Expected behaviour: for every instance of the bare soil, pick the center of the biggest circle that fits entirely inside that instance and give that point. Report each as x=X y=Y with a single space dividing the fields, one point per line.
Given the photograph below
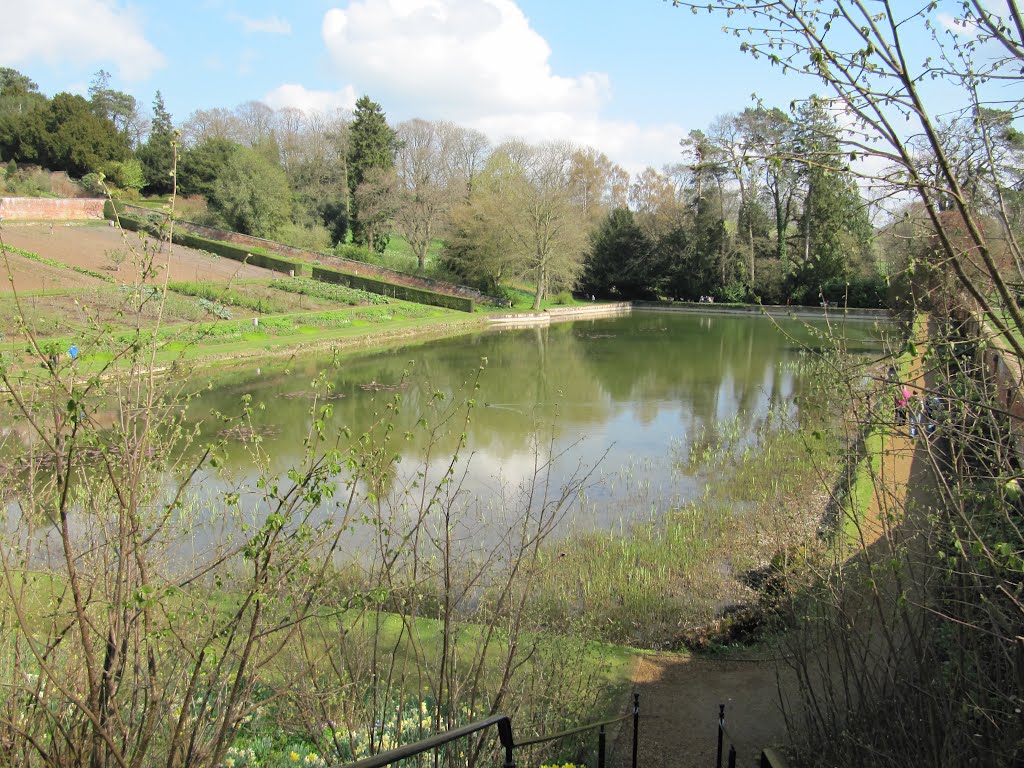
x=679 y=701
x=91 y=247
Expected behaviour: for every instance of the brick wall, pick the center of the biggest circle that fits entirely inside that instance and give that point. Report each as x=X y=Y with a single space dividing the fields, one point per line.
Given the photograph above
x=51 y=208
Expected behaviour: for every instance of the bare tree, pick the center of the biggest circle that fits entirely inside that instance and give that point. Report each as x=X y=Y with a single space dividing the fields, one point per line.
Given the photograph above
x=423 y=195
x=464 y=152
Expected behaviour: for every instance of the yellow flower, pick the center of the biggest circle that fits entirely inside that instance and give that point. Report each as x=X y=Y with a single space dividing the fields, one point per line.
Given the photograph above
x=294 y=756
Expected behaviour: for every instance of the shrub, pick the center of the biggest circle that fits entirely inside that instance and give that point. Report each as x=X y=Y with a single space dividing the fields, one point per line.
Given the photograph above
x=311 y=238
x=394 y=291
x=126 y=175
x=562 y=298
x=327 y=291
x=93 y=183
x=353 y=252
x=28 y=182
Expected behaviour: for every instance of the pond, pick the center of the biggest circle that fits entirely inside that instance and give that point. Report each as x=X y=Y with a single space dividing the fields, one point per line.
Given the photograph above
x=622 y=398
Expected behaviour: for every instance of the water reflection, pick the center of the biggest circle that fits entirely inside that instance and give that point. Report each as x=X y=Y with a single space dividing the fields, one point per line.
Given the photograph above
x=618 y=391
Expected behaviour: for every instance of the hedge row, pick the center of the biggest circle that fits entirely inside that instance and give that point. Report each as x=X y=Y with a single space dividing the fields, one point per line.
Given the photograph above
x=227 y=250
x=393 y=290
x=318 y=289
x=281 y=264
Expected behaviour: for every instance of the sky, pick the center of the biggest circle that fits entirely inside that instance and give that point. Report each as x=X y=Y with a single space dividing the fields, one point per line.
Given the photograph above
x=627 y=77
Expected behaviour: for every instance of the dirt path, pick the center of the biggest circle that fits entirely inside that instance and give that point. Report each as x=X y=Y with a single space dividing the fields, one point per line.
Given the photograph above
x=680 y=695
x=679 y=699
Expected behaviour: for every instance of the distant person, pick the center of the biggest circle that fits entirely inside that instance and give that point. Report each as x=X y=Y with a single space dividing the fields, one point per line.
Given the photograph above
x=903 y=395
x=913 y=415
x=73 y=354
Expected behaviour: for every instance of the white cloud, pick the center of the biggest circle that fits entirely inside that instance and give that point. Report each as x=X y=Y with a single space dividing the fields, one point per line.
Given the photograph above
x=480 y=63
x=297 y=96
x=458 y=52
x=273 y=25
x=959 y=26
x=82 y=32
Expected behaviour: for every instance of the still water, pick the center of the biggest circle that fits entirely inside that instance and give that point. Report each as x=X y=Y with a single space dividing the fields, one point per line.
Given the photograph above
x=622 y=398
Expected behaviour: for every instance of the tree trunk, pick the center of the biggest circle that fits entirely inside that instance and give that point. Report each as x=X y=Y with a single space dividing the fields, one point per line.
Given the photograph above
x=542 y=278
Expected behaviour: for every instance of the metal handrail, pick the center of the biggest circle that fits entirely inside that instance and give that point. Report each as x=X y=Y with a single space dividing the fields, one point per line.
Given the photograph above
x=571 y=731
x=504 y=736
x=424 y=745
x=722 y=732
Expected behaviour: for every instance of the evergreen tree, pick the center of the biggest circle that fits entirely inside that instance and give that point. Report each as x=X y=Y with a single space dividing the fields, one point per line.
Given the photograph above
x=372 y=144
x=76 y=140
x=622 y=261
x=835 y=232
x=22 y=118
x=116 y=106
x=693 y=253
x=200 y=166
x=157 y=154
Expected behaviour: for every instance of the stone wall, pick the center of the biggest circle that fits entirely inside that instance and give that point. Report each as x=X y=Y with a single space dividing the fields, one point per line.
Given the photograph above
x=1003 y=372
x=51 y=208
x=555 y=314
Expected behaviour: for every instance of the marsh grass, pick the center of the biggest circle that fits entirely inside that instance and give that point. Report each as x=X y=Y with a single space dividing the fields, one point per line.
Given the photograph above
x=651 y=579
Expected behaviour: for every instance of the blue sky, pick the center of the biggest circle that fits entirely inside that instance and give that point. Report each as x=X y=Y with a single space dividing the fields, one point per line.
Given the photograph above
x=629 y=77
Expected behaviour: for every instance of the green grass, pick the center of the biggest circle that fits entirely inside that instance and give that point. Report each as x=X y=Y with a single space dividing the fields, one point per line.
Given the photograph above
x=522 y=298
x=647 y=579
x=861 y=491
x=399 y=255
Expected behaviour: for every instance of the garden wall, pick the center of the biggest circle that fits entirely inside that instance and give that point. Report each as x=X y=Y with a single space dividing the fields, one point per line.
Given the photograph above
x=1004 y=374
x=51 y=208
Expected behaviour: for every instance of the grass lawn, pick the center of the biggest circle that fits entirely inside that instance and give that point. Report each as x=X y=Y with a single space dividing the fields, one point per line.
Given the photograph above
x=399 y=256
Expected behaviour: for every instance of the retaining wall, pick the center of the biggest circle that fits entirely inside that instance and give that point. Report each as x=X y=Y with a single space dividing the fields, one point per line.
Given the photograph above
x=1003 y=372
x=51 y=208
x=775 y=310
x=555 y=314
x=358 y=268
x=615 y=309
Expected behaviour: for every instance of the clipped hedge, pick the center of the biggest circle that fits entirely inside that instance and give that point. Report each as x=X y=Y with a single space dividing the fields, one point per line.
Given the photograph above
x=227 y=250
x=299 y=268
x=392 y=290
x=237 y=253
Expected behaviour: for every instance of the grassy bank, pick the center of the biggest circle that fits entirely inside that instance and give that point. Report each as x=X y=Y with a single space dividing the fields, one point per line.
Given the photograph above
x=656 y=581
x=864 y=471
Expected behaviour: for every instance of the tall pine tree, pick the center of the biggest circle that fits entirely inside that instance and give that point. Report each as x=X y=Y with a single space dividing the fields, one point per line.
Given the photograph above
x=157 y=154
x=833 y=227
x=372 y=144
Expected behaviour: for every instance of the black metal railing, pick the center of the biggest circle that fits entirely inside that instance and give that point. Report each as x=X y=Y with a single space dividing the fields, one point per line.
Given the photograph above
x=508 y=742
x=769 y=757
x=722 y=734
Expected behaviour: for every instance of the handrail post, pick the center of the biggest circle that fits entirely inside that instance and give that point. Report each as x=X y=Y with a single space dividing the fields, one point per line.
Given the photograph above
x=505 y=736
x=721 y=726
x=600 y=748
x=636 y=726
x=732 y=756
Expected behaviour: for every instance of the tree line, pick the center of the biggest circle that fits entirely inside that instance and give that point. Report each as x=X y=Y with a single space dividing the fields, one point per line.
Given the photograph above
x=762 y=205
